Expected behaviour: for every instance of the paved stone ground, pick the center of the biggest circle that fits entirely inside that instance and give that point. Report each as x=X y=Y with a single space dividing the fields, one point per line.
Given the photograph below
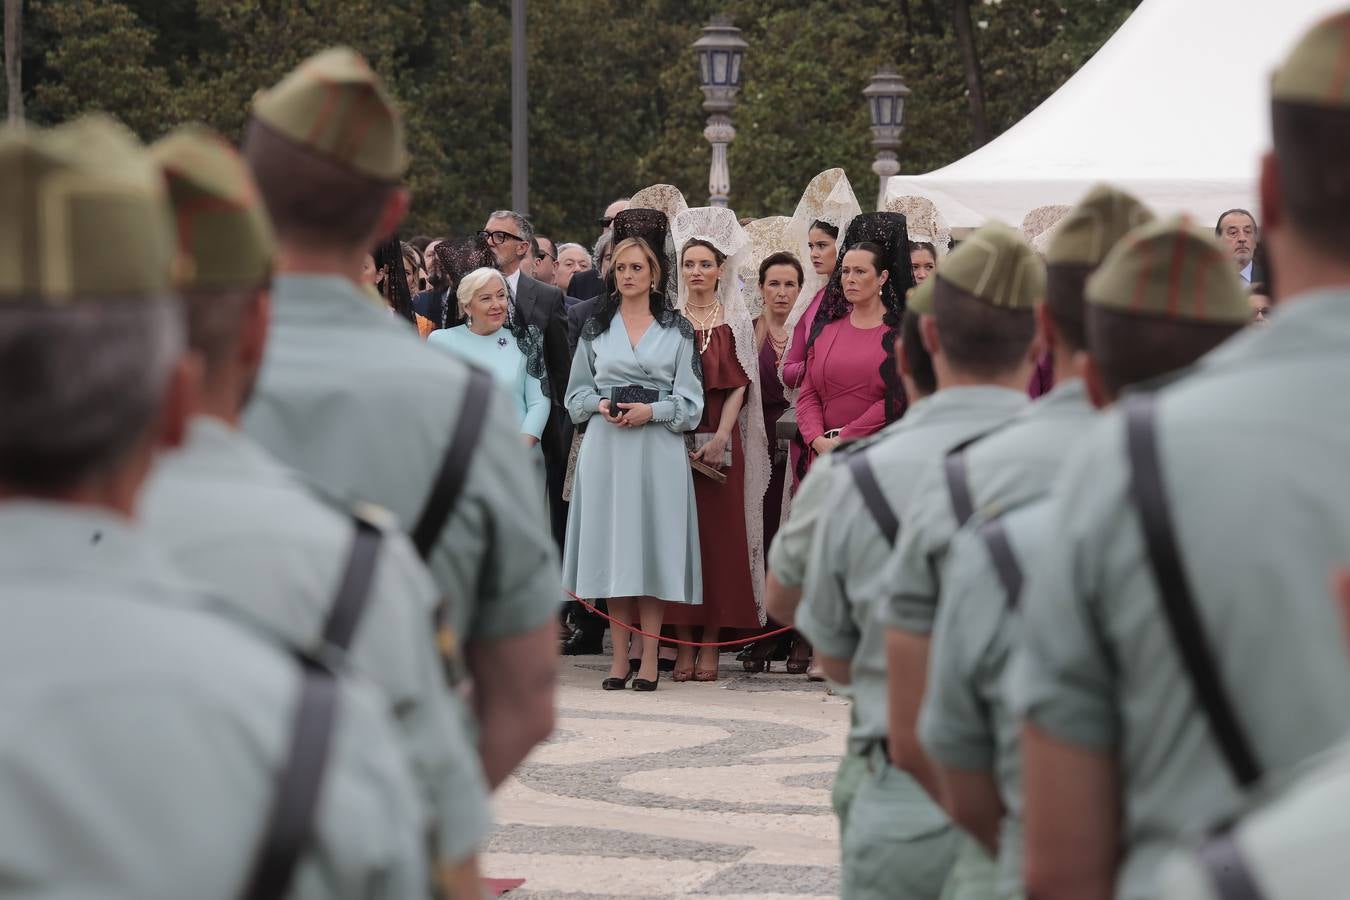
x=718 y=790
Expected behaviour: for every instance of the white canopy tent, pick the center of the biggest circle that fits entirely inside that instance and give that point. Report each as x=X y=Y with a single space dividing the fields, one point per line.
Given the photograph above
x=1174 y=108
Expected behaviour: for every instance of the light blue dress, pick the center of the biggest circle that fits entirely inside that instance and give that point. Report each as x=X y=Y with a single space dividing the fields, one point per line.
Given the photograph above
x=632 y=527
x=501 y=355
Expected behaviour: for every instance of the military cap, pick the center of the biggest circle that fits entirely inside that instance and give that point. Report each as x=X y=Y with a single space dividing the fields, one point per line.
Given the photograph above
x=1170 y=269
x=1317 y=70
x=919 y=300
x=1086 y=235
x=334 y=105
x=996 y=265
x=223 y=230
x=85 y=214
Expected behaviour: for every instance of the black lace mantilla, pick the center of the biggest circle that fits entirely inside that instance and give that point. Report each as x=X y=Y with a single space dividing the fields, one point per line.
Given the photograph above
x=598 y=324
x=531 y=344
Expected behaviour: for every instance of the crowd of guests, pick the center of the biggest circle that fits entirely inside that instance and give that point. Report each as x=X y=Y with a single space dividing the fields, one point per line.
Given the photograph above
x=285 y=499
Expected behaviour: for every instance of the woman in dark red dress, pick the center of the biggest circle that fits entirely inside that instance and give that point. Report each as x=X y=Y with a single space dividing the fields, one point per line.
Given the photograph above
x=730 y=440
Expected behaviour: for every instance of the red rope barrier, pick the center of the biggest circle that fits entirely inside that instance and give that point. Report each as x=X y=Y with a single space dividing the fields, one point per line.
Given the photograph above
x=630 y=628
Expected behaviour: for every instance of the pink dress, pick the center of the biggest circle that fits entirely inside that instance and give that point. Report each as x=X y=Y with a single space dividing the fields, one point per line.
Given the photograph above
x=794 y=367
x=843 y=388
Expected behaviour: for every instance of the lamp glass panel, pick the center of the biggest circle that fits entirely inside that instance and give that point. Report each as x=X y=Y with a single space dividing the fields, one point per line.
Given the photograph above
x=721 y=63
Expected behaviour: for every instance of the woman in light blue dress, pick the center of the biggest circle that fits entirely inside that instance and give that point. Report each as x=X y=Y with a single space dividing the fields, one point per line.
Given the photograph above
x=632 y=528
x=513 y=357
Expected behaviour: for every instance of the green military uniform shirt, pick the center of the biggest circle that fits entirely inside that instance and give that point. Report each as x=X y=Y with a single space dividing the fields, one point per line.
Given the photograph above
x=275 y=553
x=791 y=547
x=1004 y=470
x=845 y=574
x=350 y=396
x=1253 y=447
x=140 y=738
x=966 y=721
x=1292 y=847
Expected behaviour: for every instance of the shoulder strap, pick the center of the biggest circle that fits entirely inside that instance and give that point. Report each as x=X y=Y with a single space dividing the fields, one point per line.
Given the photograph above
x=881 y=511
x=1009 y=571
x=1150 y=496
x=290 y=824
x=958 y=484
x=454 y=469
x=354 y=588
x=1228 y=872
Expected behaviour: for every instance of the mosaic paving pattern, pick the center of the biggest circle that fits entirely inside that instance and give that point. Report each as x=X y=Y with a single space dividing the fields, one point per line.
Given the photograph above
x=714 y=790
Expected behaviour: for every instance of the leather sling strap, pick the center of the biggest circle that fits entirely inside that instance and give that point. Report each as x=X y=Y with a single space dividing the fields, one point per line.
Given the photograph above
x=454 y=469
x=354 y=588
x=958 y=485
x=1178 y=601
x=881 y=511
x=290 y=824
x=1009 y=571
x=1228 y=872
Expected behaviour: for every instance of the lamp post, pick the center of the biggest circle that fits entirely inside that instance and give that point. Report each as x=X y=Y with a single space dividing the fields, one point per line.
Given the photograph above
x=886 y=95
x=720 y=52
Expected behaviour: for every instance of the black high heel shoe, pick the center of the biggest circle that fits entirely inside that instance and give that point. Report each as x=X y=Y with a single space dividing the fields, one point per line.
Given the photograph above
x=617 y=684
x=642 y=684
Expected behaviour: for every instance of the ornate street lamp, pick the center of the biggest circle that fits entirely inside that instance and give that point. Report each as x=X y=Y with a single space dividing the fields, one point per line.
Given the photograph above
x=886 y=95
x=720 y=52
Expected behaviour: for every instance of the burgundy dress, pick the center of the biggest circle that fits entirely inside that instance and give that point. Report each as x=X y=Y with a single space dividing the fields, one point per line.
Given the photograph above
x=728 y=594
x=843 y=387
x=774 y=404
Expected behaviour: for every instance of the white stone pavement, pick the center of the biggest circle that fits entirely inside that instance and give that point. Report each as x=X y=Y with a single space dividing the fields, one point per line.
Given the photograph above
x=717 y=790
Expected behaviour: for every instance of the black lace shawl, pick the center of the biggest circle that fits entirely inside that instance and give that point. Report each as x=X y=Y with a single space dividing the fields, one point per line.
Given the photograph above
x=389 y=257
x=531 y=344
x=458 y=258
x=888 y=231
x=664 y=314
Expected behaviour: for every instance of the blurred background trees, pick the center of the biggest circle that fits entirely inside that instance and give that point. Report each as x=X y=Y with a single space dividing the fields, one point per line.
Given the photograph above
x=614 y=97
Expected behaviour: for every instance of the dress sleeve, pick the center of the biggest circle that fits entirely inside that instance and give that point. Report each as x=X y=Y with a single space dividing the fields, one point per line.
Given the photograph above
x=810 y=412
x=583 y=399
x=794 y=367
x=872 y=420
x=684 y=408
x=536 y=406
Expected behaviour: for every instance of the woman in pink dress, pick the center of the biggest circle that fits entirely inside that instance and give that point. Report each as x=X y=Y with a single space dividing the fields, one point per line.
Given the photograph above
x=851 y=388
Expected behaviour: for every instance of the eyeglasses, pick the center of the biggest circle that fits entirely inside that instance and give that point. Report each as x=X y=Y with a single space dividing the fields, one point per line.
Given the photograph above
x=499 y=237
x=544 y=254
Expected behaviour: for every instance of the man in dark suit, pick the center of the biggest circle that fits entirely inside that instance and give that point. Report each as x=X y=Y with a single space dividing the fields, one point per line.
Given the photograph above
x=510 y=234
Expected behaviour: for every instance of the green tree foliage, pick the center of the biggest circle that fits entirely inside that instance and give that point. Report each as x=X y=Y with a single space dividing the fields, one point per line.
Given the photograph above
x=614 y=95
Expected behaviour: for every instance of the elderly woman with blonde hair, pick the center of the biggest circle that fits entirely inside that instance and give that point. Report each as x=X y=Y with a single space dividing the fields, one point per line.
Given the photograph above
x=512 y=354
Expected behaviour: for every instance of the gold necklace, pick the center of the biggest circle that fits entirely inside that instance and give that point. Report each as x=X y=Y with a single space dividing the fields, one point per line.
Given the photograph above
x=704 y=325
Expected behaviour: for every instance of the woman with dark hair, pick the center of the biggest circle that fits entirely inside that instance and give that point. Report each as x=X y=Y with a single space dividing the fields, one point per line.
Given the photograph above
x=922 y=260
x=632 y=527
x=729 y=447
x=780 y=283
x=392 y=278
x=851 y=387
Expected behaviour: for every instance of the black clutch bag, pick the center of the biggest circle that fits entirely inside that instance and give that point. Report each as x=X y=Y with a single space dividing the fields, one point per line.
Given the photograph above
x=630 y=393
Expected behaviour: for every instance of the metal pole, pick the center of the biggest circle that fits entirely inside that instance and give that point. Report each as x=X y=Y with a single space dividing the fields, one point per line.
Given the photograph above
x=14 y=59
x=719 y=133
x=520 y=133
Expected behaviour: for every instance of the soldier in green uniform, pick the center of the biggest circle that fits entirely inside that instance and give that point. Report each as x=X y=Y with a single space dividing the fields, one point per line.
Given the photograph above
x=1291 y=845
x=992 y=276
x=966 y=724
x=273 y=550
x=349 y=396
x=1162 y=681
x=896 y=840
x=143 y=735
